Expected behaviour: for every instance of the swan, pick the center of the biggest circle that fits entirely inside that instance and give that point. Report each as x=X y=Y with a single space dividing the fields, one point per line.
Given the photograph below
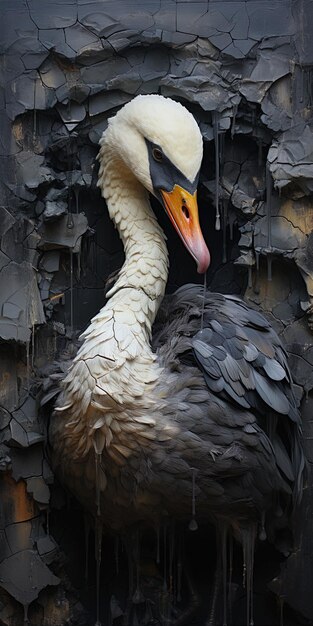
x=198 y=423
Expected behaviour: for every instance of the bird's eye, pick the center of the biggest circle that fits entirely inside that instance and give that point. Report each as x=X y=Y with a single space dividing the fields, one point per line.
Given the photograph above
x=157 y=154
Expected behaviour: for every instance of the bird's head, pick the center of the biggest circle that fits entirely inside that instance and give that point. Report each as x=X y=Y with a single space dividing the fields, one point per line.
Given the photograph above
x=160 y=142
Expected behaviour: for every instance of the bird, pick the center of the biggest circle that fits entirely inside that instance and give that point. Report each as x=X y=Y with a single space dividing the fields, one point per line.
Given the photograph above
x=193 y=419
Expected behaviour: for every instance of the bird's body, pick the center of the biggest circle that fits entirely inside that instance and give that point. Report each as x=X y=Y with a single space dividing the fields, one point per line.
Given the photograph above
x=203 y=424
x=167 y=438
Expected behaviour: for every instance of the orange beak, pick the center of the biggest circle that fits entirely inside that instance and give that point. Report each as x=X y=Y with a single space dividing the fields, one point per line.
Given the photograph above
x=182 y=209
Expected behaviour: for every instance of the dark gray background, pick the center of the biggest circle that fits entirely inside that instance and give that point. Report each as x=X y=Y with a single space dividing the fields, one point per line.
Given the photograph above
x=245 y=70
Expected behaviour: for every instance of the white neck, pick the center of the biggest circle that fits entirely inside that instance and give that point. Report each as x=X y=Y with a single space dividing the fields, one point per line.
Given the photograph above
x=115 y=363
x=145 y=269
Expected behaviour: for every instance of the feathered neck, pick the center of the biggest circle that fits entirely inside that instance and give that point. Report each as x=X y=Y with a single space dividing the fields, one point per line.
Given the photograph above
x=145 y=269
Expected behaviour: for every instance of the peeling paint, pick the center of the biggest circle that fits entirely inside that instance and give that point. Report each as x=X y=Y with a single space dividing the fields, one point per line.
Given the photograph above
x=66 y=68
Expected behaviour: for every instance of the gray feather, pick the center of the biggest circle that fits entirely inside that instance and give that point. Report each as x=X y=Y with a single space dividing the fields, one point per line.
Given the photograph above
x=250 y=352
x=271 y=394
x=273 y=369
x=202 y=348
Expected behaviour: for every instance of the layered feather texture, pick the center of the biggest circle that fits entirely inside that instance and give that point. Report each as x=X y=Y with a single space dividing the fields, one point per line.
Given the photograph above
x=243 y=363
x=208 y=413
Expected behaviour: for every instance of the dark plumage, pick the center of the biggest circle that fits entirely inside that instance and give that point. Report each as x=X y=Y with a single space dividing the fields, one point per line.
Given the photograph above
x=225 y=424
x=248 y=408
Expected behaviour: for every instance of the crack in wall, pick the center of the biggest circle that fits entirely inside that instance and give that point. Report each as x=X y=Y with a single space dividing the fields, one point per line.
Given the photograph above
x=206 y=78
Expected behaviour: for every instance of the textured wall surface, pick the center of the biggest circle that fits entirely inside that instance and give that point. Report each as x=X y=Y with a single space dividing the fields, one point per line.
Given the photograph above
x=245 y=70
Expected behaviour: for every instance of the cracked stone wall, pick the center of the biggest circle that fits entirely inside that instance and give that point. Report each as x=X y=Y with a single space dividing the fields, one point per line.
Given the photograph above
x=245 y=70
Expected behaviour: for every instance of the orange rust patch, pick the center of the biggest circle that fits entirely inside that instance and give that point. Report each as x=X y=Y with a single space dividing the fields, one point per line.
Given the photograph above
x=17 y=505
